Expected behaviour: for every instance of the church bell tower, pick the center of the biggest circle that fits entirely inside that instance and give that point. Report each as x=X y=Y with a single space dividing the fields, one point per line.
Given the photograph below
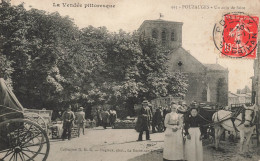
x=168 y=33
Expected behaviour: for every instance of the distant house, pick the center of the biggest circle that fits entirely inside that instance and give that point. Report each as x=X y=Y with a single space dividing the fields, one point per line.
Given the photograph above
x=232 y=98
x=207 y=82
x=244 y=98
x=256 y=79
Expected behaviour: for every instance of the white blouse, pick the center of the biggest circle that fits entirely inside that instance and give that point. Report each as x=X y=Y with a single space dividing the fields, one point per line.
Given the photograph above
x=173 y=120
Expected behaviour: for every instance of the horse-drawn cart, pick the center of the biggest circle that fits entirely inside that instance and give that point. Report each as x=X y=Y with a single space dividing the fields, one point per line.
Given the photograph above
x=20 y=138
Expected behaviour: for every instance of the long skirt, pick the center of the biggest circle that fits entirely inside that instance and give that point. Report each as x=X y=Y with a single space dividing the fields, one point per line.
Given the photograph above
x=193 y=147
x=173 y=145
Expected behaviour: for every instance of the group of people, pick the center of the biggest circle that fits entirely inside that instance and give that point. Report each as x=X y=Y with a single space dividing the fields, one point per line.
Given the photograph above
x=105 y=117
x=176 y=145
x=70 y=119
x=157 y=116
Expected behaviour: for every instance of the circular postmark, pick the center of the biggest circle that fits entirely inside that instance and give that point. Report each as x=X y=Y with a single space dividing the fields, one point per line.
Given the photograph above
x=235 y=35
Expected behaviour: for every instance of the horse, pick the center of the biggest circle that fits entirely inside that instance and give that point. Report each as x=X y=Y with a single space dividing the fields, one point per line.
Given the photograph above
x=243 y=120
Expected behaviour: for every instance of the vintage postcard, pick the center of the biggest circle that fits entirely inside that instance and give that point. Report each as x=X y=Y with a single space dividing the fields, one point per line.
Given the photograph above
x=129 y=80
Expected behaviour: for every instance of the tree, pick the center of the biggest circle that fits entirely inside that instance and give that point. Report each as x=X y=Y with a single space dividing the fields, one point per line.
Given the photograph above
x=37 y=43
x=53 y=63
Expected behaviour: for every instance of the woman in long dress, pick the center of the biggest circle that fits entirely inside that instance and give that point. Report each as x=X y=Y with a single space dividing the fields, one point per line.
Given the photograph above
x=193 y=145
x=173 y=142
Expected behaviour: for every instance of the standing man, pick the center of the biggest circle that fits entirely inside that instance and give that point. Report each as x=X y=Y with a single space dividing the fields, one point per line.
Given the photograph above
x=150 y=116
x=80 y=120
x=105 y=118
x=145 y=112
x=113 y=117
x=98 y=114
x=182 y=108
x=157 y=120
x=68 y=117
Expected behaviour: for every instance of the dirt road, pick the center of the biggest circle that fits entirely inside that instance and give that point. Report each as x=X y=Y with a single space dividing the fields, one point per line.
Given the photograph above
x=121 y=145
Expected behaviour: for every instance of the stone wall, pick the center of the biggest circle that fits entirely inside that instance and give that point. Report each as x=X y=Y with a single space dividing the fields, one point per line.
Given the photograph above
x=213 y=78
x=148 y=26
x=196 y=87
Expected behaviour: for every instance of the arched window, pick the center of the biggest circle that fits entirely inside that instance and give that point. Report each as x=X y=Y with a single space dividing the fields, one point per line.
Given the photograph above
x=164 y=37
x=155 y=34
x=173 y=36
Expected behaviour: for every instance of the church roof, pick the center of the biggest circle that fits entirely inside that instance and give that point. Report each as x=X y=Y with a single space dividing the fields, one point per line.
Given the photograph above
x=215 y=67
x=189 y=63
x=159 y=21
x=194 y=65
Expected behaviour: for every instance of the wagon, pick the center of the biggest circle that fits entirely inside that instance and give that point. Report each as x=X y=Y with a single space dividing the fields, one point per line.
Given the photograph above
x=20 y=138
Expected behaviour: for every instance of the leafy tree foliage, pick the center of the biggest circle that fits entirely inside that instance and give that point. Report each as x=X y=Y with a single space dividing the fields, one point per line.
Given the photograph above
x=53 y=63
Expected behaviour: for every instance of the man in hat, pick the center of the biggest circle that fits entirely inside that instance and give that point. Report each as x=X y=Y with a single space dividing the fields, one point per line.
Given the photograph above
x=182 y=108
x=112 y=117
x=157 y=120
x=105 y=118
x=80 y=120
x=68 y=117
x=150 y=111
x=98 y=116
x=145 y=113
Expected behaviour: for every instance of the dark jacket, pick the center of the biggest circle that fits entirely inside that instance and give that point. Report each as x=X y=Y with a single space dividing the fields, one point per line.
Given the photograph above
x=190 y=121
x=68 y=119
x=105 y=116
x=157 y=117
x=143 y=119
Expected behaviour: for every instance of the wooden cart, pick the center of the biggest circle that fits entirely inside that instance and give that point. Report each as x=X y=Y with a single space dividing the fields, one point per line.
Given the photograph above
x=20 y=139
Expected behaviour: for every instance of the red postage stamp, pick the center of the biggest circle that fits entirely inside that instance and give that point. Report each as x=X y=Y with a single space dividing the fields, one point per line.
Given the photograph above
x=237 y=34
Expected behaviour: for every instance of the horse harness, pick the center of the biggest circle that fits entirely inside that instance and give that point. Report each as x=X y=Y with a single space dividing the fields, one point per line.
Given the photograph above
x=233 y=118
x=235 y=115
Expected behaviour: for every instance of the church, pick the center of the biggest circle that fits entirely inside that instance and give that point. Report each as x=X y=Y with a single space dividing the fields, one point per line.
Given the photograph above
x=207 y=82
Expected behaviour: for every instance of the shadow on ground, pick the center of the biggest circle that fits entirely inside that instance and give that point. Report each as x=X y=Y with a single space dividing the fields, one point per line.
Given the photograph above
x=228 y=152
x=156 y=155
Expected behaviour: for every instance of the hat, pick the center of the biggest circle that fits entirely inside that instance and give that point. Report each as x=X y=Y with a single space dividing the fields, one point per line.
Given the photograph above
x=194 y=103
x=69 y=107
x=145 y=102
x=173 y=103
x=181 y=108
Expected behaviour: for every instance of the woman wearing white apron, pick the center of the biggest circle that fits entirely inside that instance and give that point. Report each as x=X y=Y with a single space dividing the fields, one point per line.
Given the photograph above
x=173 y=142
x=193 y=145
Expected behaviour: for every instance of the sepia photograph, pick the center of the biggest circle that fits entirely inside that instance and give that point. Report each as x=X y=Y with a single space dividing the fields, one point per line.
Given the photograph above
x=129 y=80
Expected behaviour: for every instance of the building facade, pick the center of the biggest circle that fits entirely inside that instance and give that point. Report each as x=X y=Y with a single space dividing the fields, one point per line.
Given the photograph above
x=207 y=82
x=256 y=78
x=242 y=98
x=256 y=86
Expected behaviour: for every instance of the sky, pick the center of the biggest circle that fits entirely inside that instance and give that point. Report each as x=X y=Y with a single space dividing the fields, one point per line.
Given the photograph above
x=197 y=28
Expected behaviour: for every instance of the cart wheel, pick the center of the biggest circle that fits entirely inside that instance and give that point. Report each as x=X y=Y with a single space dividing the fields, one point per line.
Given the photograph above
x=23 y=140
x=34 y=117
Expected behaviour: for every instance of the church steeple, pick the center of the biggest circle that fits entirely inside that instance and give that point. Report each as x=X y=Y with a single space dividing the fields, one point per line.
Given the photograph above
x=169 y=33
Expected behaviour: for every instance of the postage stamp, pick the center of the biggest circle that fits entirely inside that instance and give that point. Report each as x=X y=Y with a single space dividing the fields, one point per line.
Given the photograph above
x=235 y=35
